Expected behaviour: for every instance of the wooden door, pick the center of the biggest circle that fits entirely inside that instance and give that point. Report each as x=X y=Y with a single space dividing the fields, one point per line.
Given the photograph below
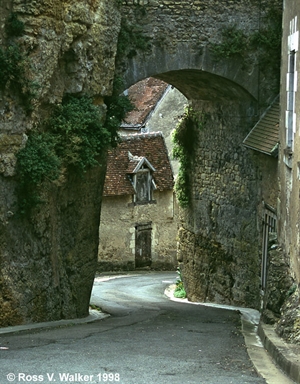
x=143 y=246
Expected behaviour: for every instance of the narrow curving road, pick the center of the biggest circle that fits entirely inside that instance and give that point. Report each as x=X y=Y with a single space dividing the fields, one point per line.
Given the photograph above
x=148 y=339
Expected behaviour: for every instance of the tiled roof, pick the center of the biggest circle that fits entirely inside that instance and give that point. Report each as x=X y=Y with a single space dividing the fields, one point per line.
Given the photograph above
x=119 y=165
x=264 y=136
x=144 y=95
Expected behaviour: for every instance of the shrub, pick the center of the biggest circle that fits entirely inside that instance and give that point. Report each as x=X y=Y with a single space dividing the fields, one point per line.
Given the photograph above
x=74 y=135
x=179 y=291
x=233 y=42
x=79 y=135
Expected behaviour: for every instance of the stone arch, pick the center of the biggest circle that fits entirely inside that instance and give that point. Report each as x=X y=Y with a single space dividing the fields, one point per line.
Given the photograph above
x=197 y=76
x=218 y=240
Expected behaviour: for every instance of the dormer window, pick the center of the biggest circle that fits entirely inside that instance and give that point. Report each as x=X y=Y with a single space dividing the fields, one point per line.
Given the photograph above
x=143 y=186
x=141 y=179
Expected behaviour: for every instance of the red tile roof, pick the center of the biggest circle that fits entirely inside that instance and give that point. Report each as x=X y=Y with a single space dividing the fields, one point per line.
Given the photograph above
x=144 y=95
x=149 y=145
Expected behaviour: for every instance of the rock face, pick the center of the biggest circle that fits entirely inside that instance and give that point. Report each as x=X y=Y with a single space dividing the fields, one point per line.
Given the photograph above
x=48 y=259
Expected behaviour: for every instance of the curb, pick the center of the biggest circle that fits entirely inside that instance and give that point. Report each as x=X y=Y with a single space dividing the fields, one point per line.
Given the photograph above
x=286 y=356
x=274 y=360
x=94 y=315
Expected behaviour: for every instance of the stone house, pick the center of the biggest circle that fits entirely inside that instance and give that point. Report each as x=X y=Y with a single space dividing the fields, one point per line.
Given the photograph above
x=289 y=172
x=157 y=108
x=277 y=135
x=138 y=225
x=289 y=160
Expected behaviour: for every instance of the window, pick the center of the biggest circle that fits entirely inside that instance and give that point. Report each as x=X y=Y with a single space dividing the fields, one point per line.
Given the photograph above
x=290 y=111
x=143 y=186
x=291 y=85
x=141 y=179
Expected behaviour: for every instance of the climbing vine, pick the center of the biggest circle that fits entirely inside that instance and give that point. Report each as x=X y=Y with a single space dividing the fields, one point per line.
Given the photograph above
x=184 y=138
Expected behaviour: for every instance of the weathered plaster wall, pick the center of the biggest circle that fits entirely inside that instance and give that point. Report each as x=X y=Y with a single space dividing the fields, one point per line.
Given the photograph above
x=48 y=260
x=117 y=231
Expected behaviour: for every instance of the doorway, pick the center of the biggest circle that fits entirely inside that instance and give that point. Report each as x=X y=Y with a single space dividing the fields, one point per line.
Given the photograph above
x=143 y=237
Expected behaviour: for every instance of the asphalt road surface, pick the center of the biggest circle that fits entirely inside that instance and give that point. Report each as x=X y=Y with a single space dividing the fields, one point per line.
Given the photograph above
x=148 y=339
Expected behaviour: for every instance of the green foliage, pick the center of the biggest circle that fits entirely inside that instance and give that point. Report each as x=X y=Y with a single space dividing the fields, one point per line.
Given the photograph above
x=13 y=66
x=233 y=43
x=130 y=40
x=268 y=41
x=74 y=135
x=36 y=162
x=184 y=139
x=14 y=27
x=118 y=105
x=292 y=290
x=78 y=133
x=179 y=291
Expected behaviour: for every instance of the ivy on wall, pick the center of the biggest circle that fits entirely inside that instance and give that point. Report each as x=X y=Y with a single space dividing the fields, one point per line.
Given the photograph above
x=73 y=136
x=184 y=139
x=233 y=42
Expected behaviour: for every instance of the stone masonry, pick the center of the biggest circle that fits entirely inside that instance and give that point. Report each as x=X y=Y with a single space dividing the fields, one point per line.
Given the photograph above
x=72 y=47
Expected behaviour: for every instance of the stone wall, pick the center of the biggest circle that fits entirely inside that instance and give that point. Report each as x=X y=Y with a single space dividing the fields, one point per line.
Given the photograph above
x=219 y=238
x=165 y=118
x=219 y=242
x=48 y=260
x=173 y=22
x=181 y=37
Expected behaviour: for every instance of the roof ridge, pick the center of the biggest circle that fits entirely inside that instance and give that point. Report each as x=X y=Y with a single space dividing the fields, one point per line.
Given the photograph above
x=141 y=135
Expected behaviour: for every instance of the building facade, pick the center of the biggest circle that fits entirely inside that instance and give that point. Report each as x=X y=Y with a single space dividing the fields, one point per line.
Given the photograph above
x=289 y=170
x=138 y=225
